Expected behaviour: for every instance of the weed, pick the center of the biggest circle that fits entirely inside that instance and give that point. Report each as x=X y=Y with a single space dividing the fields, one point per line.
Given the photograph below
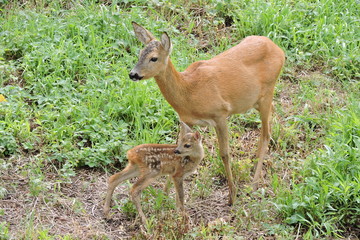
x=128 y=208
x=216 y=229
x=158 y=200
x=201 y=184
x=4 y=231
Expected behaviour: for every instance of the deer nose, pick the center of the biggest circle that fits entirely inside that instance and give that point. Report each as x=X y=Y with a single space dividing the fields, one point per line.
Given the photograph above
x=176 y=151
x=135 y=76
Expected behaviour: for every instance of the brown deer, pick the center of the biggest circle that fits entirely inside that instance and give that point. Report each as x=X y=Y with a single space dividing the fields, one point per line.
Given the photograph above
x=150 y=161
x=207 y=92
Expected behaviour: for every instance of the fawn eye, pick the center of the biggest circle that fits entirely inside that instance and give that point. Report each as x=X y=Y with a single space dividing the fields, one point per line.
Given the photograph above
x=153 y=59
x=187 y=145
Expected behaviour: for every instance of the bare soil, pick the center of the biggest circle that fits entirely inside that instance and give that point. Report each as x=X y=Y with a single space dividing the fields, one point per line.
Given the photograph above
x=75 y=208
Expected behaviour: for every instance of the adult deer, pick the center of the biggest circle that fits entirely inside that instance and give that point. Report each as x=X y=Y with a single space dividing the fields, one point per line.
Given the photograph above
x=207 y=92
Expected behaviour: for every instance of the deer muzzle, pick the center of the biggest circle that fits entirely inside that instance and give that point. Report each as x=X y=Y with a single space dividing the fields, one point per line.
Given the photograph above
x=135 y=76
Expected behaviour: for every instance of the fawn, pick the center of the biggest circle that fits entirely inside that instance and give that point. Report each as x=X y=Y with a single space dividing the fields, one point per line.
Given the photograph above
x=150 y=161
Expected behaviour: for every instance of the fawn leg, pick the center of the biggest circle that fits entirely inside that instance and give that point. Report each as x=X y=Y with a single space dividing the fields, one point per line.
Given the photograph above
x=128 y=172
x=136 y=190
x=179 y=188
x=167 y=185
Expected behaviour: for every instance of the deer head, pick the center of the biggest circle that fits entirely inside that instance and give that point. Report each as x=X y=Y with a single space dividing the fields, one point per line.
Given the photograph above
x=154 y=57
x=189 y=141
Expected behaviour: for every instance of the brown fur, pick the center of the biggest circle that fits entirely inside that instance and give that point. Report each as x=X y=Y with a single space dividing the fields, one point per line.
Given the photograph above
x=209 y=91
x=150 y=161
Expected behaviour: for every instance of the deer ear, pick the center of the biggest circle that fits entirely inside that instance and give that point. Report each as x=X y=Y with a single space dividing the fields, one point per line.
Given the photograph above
x=166 y=43
x=184 y=129
x=197 y=135
x=142 y=34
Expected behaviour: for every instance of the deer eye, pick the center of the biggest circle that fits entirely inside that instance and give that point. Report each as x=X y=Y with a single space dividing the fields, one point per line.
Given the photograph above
x=153 y=59
x=187 y=145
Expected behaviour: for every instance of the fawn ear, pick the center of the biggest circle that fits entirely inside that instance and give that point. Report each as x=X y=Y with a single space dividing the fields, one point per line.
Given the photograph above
x=184 y=129
x=197 y=136
x=166 y=43
x=142 y=34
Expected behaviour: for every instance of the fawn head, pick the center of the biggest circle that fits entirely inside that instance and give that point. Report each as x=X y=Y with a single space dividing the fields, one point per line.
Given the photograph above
x=154 y=57
x=189 y=143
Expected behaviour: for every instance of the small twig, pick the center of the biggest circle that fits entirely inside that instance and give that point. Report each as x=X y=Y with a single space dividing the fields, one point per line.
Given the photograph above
x=35 y=203
x=298 y=232
x=92 y=210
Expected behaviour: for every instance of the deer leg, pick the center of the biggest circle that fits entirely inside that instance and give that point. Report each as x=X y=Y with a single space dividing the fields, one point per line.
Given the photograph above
x=136 y=190
x=168 y=179
x=265 y=109
x=223 y=138
x=167 y=185
x=179 y=188
x=128 y=172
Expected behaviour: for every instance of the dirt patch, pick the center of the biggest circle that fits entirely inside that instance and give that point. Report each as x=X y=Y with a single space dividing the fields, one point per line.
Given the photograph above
x=72 y=208
x=75 y=208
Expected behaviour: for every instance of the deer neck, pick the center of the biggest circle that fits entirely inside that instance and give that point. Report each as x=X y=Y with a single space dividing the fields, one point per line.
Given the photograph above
x=172 y=86
x=198 y=156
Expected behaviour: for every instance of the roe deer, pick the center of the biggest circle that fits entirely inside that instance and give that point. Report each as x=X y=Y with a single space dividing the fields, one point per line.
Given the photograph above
x=208 y=91
x=149 y=161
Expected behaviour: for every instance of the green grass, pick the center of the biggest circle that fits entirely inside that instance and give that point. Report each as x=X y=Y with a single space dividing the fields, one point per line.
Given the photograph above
x=75 y=89
x=327 y=201
x=64 y=73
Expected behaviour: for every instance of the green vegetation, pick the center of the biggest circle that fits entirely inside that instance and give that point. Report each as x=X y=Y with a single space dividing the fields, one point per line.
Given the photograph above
x=71 y=113
x=329 y=195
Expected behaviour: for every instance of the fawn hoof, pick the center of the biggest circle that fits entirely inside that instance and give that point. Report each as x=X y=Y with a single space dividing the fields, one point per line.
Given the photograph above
x=106 y=213
x=185 y=219
x=232 y=197
x=230 y=202
x=184 y=214
x=255 y=185
x=143 y=221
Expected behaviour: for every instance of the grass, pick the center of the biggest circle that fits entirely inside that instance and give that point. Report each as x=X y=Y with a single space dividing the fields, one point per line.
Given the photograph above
x=71 y=113
x=327 y=199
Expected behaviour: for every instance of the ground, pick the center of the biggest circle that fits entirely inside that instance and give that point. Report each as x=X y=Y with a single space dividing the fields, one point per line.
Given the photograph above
x=75 y=208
